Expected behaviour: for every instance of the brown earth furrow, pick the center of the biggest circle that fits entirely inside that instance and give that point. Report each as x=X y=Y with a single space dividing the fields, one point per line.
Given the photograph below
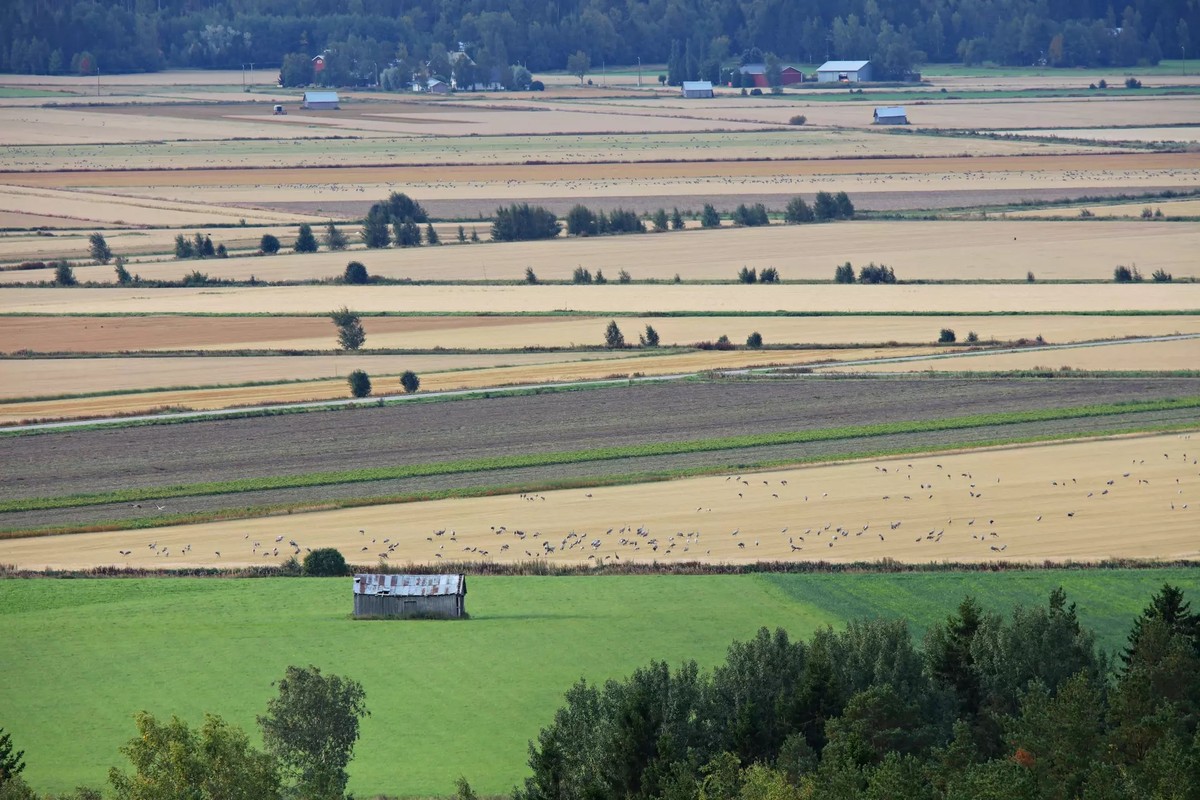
x=110 y=459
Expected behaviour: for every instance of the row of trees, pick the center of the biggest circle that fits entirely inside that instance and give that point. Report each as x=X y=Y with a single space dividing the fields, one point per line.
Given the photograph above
x=363 y=39
x=989 y=708
x=308 y=731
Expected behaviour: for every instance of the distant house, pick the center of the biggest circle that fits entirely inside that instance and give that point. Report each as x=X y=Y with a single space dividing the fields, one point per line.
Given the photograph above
x=435 y=86
x=320 y=101
x=757 y=73
x=697 y=89
x=891 y=115
x=844 y=72
x=410 y=596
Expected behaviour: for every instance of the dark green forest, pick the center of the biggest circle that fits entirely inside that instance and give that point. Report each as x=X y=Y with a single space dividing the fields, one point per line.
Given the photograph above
x=363 y=37
x=1022 y=707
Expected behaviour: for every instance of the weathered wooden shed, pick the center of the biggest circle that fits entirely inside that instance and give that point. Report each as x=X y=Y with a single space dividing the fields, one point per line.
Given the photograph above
x=410 y=596
x=697 y=89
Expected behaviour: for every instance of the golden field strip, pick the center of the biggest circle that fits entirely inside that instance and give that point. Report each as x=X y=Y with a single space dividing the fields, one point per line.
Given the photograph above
x=916 y=250
x=1179 y=354
x=1118 y=165
x=75 y=334
x=635 y=298
x=1130 y=497
x=567 y=368
x=42 y=377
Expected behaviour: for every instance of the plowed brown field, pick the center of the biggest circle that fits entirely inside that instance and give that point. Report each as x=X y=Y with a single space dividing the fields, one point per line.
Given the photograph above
x=943 y=298
x=113 y=334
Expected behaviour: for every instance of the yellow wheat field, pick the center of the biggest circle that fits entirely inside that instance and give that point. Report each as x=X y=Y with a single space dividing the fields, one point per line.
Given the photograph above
x=1135 y=497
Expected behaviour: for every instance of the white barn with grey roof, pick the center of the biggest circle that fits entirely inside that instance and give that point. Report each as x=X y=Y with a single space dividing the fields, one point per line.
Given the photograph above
x=844 y=72
x=321 y=101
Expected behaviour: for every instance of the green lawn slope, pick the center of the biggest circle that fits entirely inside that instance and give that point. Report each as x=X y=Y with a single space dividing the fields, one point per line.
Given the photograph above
x=452 y=698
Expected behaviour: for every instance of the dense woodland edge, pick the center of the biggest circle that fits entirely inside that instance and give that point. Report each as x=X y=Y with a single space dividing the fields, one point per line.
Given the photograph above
x=1022 y=706
x=359 y=40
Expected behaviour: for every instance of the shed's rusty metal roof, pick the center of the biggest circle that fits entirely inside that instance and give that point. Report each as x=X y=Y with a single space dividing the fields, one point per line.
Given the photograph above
x=410 y=585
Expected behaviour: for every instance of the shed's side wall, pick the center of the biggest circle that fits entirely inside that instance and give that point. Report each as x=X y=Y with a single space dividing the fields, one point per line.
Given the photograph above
x=369 y=605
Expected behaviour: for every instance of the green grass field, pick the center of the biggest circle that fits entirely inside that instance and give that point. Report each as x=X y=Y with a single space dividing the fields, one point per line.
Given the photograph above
x=447 y=698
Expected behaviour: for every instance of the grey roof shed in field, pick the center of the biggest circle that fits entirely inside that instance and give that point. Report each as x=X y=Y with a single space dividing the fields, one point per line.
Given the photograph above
x=410 y=595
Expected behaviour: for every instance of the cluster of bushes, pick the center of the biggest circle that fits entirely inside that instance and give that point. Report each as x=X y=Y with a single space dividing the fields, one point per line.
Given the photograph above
x=614 y=339
x=201 y=246
x=826 y=207
x=397 y=219
x=582 y=221
x=1130 y=274
x=750 y=216
x=1022 y=707
x=360 y=382
x=868 y=274
x=722 y=343
x=523 y=222
x=661 y=221
x=750 y=275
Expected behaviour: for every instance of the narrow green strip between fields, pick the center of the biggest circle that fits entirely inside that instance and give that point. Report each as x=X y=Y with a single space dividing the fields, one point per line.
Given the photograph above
x=249 y=512
x=582 y=456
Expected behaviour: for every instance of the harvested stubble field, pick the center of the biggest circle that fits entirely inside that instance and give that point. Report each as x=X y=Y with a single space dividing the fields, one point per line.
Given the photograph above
x=165 y=646
x=1133 y=497
x=917 y=250
x=512 y=149
x=132 y=243
x=537 y=369
x=71 y=208
x=636 y=298
x=1170 y=208
x=1173 y=133
x=1179 y=354
x=58 y=376
x=83 y=334
x=933 y=111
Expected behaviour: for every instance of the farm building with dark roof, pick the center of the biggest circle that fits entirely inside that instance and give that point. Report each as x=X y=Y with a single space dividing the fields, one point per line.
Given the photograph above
x=410 y=596
x=757 y=75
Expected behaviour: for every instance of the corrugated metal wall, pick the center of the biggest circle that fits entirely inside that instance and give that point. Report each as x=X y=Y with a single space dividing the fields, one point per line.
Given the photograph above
x=366 y=605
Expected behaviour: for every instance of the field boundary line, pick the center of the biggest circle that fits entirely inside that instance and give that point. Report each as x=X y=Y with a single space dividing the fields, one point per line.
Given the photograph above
x=626 y=479
x=367 y=475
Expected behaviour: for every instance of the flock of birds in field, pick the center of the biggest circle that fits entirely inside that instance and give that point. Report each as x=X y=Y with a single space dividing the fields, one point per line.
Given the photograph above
x=926 y=506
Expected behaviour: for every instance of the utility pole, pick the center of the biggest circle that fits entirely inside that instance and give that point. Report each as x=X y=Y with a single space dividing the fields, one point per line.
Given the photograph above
x=243 y=77
x=97 y=80
x=639 y=72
